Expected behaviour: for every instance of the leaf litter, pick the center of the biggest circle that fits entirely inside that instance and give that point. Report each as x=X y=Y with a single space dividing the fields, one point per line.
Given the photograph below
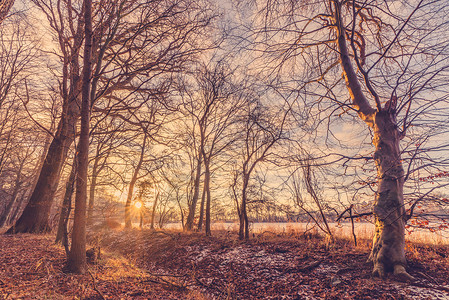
x=172 y=265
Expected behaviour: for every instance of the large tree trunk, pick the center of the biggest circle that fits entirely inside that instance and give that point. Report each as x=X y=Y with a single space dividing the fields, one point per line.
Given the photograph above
x=388 y=252
x=35 y=215
x=77 y=258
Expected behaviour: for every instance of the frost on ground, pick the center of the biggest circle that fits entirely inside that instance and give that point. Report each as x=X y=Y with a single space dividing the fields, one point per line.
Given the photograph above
x=172 y=265
x=281 y=266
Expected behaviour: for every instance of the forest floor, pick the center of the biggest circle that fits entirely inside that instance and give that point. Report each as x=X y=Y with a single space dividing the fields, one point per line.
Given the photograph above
x=149 y=264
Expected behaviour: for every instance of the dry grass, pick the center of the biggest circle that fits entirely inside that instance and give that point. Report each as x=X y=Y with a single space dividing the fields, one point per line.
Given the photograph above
x=275 y=262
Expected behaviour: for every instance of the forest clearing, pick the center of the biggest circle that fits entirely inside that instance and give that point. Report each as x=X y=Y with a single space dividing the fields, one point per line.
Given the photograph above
x=146 y=264
x=224 y=149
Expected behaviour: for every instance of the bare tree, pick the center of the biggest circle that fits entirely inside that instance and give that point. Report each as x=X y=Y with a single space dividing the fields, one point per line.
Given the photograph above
x=211 y=105
x=391 y=62
x=161 y=42
x=35 y=216
x=262 y=131
x=77 y=256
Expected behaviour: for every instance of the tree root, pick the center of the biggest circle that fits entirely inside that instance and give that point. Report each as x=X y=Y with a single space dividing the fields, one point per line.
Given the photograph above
x=378 y=271
x=95 y=286
x=400 y=274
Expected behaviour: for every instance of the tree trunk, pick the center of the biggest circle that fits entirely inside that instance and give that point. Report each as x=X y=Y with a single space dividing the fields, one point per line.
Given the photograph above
x=243 y=226
x=207 y=188
x=128 y=223
x=14 y=195
x=20 y=201
x=93 y=185
x=196 y=191
x=388 y=252
x=77 y=258
x=153 y=212
x=133 y=181
x=245 y=215
x=181 y=211
x=203 y=201
x=35 y=216
x=7 y=212
x=61 y=235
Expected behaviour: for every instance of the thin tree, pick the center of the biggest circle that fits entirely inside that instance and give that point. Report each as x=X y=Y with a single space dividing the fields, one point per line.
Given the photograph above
x=132 y=183
x=77 y=257
x=262 y=131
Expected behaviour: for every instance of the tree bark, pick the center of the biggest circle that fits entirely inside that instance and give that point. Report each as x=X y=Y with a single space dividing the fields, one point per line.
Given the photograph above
x=7 y=212
x=77 y=257
x=20 y=201
x=388 y=252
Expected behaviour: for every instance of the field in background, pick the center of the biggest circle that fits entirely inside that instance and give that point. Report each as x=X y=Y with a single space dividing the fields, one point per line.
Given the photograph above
x=362 y=230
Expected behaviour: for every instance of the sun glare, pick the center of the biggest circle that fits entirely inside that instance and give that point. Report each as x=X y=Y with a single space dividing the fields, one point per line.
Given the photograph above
x=138 y=205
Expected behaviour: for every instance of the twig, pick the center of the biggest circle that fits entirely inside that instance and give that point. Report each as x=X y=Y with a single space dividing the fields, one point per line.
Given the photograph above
x=354 y=216
x=309 y=266
x=427 y=277
x=166 y=275
x=159 y=280
x=267 y=231
x=95 y=286
x=211 y=286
